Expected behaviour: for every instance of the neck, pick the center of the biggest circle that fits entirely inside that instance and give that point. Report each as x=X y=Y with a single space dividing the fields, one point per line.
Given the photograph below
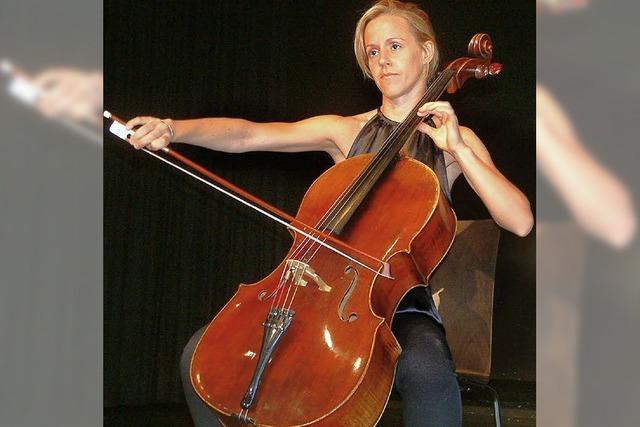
x=397 y=112
x=398 y=108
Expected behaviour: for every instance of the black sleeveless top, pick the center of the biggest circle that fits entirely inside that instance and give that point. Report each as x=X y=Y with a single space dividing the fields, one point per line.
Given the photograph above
x=420 y=147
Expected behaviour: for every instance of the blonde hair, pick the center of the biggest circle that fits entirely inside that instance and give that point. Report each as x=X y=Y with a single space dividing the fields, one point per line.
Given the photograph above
x=416 y=17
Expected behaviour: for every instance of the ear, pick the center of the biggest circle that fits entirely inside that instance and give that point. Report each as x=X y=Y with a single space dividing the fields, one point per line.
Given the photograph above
x=428 y=50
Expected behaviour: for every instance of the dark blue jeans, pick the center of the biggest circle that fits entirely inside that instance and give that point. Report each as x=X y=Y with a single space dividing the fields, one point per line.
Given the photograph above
x=425 y=376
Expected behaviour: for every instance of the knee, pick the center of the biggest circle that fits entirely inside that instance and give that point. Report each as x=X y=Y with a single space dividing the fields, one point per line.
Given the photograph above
x=426 y=366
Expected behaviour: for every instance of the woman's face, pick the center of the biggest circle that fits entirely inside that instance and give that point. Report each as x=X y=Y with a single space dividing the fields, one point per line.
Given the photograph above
x=398 y=62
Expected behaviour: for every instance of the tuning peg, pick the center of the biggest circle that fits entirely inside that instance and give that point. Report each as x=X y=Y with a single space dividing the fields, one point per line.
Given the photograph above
x=495 y=68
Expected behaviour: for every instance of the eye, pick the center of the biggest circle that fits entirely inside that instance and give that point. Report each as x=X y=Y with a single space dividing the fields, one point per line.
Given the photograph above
x=373 y=52
x=395 y=46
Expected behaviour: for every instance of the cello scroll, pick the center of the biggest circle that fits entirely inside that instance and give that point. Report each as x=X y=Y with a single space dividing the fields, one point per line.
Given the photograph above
x=478 y=65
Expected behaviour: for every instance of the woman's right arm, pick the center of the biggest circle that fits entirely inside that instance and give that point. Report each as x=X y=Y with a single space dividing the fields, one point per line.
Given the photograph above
x=597 y=199
x=321 y=133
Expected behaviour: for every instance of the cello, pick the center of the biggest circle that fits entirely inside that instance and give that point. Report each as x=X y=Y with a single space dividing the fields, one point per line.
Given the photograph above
x=311 y=343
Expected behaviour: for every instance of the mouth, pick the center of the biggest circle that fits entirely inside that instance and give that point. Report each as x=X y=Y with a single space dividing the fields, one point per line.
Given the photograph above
x=387 y=76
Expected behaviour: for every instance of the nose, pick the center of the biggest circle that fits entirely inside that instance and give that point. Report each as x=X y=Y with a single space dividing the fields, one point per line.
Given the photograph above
x=382 y=59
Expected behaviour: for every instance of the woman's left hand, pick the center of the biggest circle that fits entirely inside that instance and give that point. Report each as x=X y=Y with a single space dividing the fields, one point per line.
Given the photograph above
x=446 y=135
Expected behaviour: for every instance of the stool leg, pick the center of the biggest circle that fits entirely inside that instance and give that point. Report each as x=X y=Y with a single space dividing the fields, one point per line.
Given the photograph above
x=496 y=406
x=494 y=394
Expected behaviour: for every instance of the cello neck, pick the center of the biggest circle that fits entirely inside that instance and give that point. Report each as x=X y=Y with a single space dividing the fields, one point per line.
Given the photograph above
x=348 y=203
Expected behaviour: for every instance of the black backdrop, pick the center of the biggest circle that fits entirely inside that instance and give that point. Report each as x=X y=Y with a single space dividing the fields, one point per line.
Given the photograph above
x=175 y=251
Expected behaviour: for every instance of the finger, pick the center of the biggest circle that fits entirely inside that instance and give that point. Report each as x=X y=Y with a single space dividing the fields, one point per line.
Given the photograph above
x=438 y=117
x=440 y=104
x=138 y=135
x=431 y=105
x=159 y=143
x=79 y=100
x=51 y=78
x=69 y=95
x=447 y=110
x=46 y=79
x=53 y=100
x=432 y=118
x=437 y=122
x=429 y=130
x=88 y=105
x=145 y=129
x=444 y=117
x=137 y=121
x=430 y=110
x=436 y=106
x=153 y=134
x=425 y=109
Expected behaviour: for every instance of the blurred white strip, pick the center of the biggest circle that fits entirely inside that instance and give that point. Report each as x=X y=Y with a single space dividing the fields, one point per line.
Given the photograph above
x=23 y=90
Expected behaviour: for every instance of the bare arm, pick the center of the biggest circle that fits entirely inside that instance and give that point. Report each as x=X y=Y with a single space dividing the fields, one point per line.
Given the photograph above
x=507 y=205
x=321 y=133
x=596 y=198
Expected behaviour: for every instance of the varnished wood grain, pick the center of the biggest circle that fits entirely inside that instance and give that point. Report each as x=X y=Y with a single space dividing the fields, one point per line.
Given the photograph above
x=327 y=369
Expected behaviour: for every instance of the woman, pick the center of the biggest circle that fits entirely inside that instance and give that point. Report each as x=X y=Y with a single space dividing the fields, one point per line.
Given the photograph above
x=396 y=47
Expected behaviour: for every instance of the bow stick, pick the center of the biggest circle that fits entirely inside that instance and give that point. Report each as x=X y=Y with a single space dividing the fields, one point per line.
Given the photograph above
x=118 y=128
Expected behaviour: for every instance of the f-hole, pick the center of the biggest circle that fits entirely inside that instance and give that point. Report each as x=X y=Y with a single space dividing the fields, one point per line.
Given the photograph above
x=347 y=295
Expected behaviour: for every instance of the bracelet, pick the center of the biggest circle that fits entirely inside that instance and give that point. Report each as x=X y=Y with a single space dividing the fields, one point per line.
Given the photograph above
x=171 y=130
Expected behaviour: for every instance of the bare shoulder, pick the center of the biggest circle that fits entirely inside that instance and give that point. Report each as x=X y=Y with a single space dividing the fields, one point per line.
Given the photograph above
x=350 y=128
x=341 y=131
x=318 y=133
x=363 y=118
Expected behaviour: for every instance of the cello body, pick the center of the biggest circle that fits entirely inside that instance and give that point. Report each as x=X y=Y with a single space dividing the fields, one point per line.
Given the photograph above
x=334 y=364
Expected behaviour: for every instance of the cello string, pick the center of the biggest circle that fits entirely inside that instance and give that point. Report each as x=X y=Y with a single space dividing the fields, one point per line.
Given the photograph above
x=399 y=132
x=295 y=286
x=435 y=90
x=308 y=236
x=277 y=294
x=332 y=211
x=297 y=273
